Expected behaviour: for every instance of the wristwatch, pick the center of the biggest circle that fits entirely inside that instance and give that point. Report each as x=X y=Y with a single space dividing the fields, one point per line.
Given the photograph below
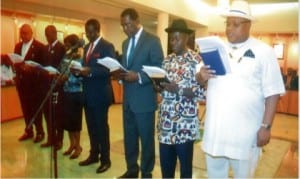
x=267 y=126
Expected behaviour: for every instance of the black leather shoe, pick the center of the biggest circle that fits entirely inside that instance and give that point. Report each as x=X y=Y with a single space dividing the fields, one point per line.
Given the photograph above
x=88 y=161
x=103 y=167
x=39 y=138
x=129 y=175
x=26 y=136
x=146 y=175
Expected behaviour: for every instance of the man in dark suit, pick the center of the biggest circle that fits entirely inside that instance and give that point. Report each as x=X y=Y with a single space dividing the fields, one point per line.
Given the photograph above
x=139 y=98
x=26 y=83
x=53 y=112
x=98 y=94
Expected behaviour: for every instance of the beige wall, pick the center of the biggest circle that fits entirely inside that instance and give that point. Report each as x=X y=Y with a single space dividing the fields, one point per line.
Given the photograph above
x=10 y=30
x=8 y=34
x=110 y=29
x=192 y=10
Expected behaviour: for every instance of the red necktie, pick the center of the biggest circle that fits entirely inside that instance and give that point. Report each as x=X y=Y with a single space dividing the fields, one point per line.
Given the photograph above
x=88 y=56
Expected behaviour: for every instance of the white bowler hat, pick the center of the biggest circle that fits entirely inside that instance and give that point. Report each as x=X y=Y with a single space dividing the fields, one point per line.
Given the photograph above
x=239 y=8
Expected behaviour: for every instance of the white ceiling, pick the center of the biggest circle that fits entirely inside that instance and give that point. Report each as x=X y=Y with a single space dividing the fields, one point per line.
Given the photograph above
x=283 y=20
x=214 y=2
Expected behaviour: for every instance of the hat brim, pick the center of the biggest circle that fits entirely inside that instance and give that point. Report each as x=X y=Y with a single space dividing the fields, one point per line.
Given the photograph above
x=234 y=14
x=171 y=29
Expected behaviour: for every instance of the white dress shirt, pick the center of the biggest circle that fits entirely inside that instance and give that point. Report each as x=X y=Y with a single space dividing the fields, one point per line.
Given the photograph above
x=25 y=48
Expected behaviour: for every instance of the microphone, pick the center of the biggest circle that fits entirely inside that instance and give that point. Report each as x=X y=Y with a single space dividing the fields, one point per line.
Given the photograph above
x=80 y=43
x=74 y=48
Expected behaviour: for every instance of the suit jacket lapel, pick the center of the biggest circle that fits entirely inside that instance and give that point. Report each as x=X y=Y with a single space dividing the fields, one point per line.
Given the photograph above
x=125 y=64
x=95 y=53
x=137 y=47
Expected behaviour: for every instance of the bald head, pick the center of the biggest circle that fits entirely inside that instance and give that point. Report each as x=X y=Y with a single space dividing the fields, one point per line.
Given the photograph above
x=26 y=33
x=51 y=33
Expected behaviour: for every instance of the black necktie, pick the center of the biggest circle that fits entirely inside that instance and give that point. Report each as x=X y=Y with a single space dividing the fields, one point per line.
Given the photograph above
x=131 y=49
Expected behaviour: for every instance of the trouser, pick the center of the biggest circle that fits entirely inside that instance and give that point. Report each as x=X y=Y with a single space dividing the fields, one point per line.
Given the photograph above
x=54 y=121
x=98 y=130
x=218 y=167
x=139 y=126
x=168 y=158
x=27 y=88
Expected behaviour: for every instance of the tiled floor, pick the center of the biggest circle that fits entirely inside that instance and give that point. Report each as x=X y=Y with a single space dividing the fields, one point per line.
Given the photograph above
x=28 y=160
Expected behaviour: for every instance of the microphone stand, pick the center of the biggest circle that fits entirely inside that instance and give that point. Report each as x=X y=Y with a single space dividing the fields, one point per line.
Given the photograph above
x=52 y=110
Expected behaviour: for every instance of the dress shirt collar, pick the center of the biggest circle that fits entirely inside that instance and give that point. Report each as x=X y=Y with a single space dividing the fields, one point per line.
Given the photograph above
x=28 y=43
x=96 y=42
x=25 y=47
x=136 y=38
x=53 y=44
x=138 y=34
x=235 y=46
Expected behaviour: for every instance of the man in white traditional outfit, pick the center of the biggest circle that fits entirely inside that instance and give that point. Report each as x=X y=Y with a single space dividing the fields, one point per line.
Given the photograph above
x=241 y=104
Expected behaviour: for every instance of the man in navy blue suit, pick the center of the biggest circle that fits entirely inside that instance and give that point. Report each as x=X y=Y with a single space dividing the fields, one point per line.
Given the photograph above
x=98 y=94
x=139 y=98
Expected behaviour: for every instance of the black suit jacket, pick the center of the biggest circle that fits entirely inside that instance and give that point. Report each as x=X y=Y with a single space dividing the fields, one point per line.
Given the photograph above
x=36 y=51
x=97 y=87
x=55 y=55
x=28 y=79
x=24 y=78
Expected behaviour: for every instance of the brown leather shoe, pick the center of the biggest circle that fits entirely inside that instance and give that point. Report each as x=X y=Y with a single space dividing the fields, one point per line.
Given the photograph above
x=39 y=138
x=58 y=146
x=76 y=153
x=69 y=151
x=26 y=136
x=47 y=144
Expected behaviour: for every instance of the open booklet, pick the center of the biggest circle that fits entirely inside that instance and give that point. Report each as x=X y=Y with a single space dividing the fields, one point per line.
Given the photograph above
x=157 y=75
x=74 y=64
x=49 y=69
x=214 y=53
x=15 y=58
x=112 y=64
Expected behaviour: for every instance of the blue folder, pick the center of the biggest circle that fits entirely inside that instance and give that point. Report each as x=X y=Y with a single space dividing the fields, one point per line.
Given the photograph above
x=213 y=59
